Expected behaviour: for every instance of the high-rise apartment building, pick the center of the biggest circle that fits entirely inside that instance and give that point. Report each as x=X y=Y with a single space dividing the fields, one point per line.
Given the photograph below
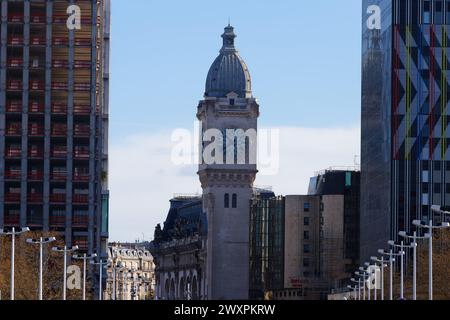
x=405 y=165
x=54 y=119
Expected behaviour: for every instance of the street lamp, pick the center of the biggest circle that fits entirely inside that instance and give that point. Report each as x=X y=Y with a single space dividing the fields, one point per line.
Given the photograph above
x=367 y=265
x=100 y=263
x=391 y=255
x=13 y=233
x=402 y=257
x=354 y=291
x=362 y=273
x=414 y=237
x=383 y=265
x=64 y=250
x=359 y=286
x=41 y=241
x=430 y=228
x=84 y=257
x=116 y=267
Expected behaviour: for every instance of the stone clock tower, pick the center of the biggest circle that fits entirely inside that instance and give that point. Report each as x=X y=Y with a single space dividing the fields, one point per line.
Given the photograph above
x=228 y=107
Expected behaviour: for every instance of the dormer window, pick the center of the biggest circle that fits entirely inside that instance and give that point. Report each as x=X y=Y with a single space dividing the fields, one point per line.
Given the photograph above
x=232 y=102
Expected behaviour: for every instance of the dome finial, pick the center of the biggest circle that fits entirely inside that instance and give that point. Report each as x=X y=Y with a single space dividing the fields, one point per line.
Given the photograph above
x=228 y=38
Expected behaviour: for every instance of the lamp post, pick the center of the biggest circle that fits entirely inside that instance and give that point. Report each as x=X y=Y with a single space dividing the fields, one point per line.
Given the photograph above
x=64 y=250
x=414 y=238
x=13 y=233
x=41 y=241
x=401 y=246
x=391 y=255
x=354 y=291
x=367 y=265
x=359 y=286
x=115 y=267
x=430 y=228
x=383 y=265
x=84 y=257
x=100 y=264
x=362 y=273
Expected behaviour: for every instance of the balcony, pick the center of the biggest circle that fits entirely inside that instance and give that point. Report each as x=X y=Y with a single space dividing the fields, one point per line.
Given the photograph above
x=35 y=198
x=12 y=220
x=83 y=42
x=37 y=41
x=15 y=41
x=15 y=18
x=14 y=129
x=59 y=108
x=81 y=177
x=82 y=86
x=81 y=153
x=37 y=18
x=13 y=174
x=36 y=175
x=15 y=63
x=81 y=109
x=58 y=198
x=12 y=197
x=82 y=130
x=59 y=41
x=14 y=107
x=59 y=130
x=59 y=152
x=82 y=64
x=14 y=85
x=13 y=153
x=35 y=152
x=60 y=64
x=80 y=199
x=36 y=107
x=36 y=130
x=60 y=86
x=57 y=221
x=59 y=176
x=36 y=85
x=80 y=221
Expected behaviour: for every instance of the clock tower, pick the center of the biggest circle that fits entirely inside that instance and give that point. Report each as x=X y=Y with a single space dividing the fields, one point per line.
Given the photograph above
x=228 y=116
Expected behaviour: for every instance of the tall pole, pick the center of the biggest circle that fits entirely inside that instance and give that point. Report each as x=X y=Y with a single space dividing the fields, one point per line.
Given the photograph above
x=382 y=278
x=430 y=262
x=364 y=286
x=114 y=282
x=65 y=274
x=84 y=276
x=368 y=286
x=391 y=274
x=101 y=281
x=12 y=261
x=415 y=266
x=401 y=272
x=40 y=267
x=359 y=289
x=375 y=286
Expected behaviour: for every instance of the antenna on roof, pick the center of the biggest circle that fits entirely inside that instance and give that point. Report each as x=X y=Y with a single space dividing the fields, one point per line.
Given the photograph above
x=229 y=21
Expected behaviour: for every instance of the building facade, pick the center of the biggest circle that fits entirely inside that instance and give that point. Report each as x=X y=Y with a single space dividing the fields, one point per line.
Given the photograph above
x=305 y=246
x=54 y=119
x=405 y=157
x=135 y=279
x=179 y=251
x=227 y=181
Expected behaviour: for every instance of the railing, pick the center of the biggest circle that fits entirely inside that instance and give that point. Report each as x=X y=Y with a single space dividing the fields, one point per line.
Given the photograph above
x=37 y=18
x=59 y=152
x=13 y=219
x=60 y=86
x=36 y=107
x=81 y=109
x=59 y=130
x=59 y=176
x=60 y=64
x=15 y=18
x=12 y=197
x=81 y=154
x=13 y=153
x=81 y=177
x=83 y=42
x=79 y=64
x=13 y=174
x=14 y=106
x=35 y=197
x=82 y=86
x=82 y=130
x=15 y=41
x=59 y=41
x=58 y=198
x=36 y=153
x=37 y=41
x=37 y=85
x=14 y=129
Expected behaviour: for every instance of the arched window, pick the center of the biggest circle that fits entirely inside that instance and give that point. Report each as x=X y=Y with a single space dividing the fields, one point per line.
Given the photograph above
x=234 y=201
x=227 y=200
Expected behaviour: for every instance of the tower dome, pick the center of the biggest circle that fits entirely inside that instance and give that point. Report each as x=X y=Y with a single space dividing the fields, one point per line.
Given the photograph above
x=228 y=73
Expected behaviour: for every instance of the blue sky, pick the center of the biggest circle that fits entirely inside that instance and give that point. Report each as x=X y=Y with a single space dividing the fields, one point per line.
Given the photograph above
x=304 y=58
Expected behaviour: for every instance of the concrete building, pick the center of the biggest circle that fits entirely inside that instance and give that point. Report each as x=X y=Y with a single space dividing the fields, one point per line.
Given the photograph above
x=54 y=120
x=135 y=280
x=405 y=156
x=228 y=185
x=179 y=251
x=312 y=238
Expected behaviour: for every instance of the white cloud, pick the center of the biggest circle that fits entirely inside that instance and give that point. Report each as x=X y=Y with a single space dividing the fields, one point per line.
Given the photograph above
x=143 y=178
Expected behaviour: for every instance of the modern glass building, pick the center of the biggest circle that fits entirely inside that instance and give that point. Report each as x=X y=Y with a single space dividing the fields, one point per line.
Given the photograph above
x=405 y=107
x=54 y=119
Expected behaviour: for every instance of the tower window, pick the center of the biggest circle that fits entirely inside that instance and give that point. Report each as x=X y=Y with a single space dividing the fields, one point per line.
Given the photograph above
x=232 y=102
x=234 y=201
x=226 y=201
